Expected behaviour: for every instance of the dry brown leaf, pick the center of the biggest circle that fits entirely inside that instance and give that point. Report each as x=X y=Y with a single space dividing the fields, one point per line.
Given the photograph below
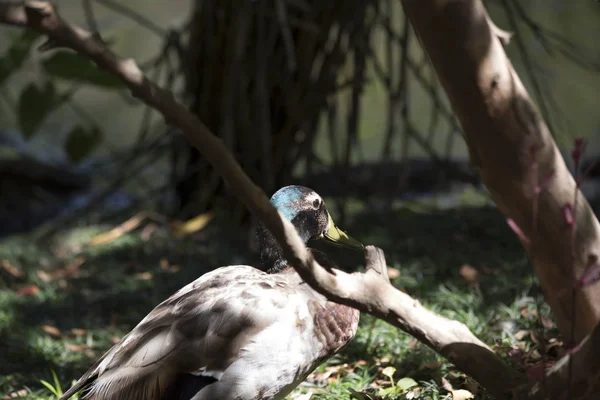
x=71 y=270
x=44 y=276
x=526 y=312
x=79 y=331
x=192 y=225
x=330 y=374
x=118 y=231
x=382 y=361
x=521 y=334
x=462 y=394
x=165 y=266
x=18 y=394
x=143 y=276
x=457 y=394
x=469 y=274
x=548 y=323
x=126 y=227
x=11 y=269
x=393 y=272
x=52 y=330
x=414 y=344
x=413 y=394
x=77 y=347
x=534 y=339
x=28 y=290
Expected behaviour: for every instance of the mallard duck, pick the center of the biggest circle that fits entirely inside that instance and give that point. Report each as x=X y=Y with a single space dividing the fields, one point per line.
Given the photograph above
x=237 y=332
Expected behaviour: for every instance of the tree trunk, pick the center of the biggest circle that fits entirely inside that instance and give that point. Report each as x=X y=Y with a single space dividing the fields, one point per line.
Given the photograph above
x=259 y=75
x=502 y=126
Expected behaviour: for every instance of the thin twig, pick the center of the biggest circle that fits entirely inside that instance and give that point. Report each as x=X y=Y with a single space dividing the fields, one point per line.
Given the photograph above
x=286 y=32
x=90 y=18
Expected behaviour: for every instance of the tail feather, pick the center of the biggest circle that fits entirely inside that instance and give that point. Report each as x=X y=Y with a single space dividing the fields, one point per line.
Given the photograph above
x=82 y=383
x=148 y=388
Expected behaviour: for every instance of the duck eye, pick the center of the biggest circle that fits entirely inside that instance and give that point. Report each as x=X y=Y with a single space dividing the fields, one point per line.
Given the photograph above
x=317 y=203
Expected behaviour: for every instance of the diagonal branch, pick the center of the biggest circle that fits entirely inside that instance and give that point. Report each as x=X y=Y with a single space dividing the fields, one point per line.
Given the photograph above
x=370 y=292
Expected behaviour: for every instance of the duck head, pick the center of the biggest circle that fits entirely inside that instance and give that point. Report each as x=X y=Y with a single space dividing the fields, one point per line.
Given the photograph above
x=306 y=210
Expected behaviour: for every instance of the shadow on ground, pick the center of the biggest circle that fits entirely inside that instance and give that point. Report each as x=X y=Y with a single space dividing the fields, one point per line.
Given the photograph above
x=120 y=282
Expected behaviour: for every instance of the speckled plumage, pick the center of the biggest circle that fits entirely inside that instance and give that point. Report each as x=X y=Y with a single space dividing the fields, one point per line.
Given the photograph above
x=234 y=333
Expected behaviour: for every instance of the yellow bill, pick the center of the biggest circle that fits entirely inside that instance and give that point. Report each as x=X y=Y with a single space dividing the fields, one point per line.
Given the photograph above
x=335 y=235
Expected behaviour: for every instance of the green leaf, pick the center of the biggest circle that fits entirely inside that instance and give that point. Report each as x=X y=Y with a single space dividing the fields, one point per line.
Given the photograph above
x=406 y=383
x=17 y=53
x=383 y=393
x=71 y=66
x=389 y=372
x=49 y=387
x=81 y=142
x=34 y=106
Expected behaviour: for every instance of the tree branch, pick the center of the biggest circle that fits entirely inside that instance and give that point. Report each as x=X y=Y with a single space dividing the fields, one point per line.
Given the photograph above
x=370 y=292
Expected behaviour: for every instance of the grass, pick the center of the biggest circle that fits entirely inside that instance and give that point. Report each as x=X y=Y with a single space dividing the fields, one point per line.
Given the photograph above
x=62 y=304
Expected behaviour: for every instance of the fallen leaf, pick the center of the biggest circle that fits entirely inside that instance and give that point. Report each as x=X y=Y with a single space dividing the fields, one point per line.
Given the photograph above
x=548 y=323
x=521 y=334
x=118 y=231
x=79 y=331
x=469 y=274
x=44 y=276
x=11 y=269
x=534 y=339
x=414 y=344
x=77 y=347
x=165 y=266
x=457 y=394
x=393 y=272
x=18 y=394
x=413 y=394
x=70 y=270
x=462 y=394
x=28 y=290
x=52 y=330
x=192 y=225
x=126 y=227
x=382 y=360
x=143 y=276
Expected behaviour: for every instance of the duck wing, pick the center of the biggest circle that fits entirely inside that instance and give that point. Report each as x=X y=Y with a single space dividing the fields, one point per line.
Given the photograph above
x=199 y=330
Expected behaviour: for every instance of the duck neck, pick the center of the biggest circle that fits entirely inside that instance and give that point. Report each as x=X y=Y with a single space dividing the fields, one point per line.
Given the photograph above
x=271 y=254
